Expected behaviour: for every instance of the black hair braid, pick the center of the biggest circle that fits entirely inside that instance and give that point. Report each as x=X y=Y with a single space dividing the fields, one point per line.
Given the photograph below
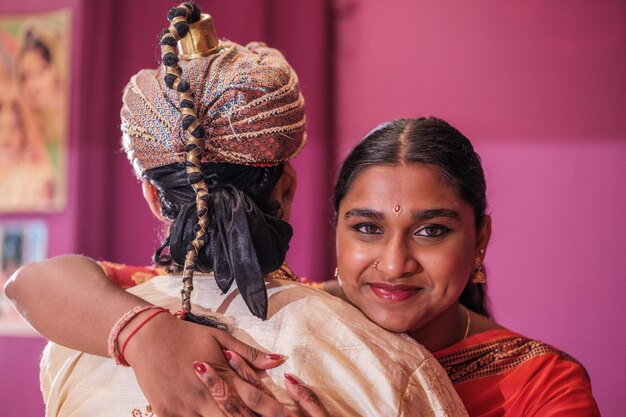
x=180 y=18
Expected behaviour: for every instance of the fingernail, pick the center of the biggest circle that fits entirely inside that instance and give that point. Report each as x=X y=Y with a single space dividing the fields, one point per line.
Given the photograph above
x=228 y=355
x=274 y=356
x=291 y=379
x=200 y=368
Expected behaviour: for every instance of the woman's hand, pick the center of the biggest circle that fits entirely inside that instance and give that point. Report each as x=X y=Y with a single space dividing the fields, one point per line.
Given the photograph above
x=264 y=401
x=305 y=397
x=161 y=355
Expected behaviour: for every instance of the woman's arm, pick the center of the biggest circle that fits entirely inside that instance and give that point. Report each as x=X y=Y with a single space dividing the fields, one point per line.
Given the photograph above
x=70 y=301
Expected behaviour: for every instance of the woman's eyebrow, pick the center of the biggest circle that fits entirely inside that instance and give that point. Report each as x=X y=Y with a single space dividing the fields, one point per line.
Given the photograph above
x=363 y=212
x=426 y=214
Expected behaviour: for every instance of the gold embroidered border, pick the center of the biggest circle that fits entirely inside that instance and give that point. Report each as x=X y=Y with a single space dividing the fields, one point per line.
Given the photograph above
x=495 y=357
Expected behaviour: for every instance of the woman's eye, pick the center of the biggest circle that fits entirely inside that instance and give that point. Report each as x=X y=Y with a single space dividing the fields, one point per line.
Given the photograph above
x=368 y=229
x=433 y=230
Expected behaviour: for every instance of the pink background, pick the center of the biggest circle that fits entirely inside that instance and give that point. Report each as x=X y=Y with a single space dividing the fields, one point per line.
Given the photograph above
x=538 y=86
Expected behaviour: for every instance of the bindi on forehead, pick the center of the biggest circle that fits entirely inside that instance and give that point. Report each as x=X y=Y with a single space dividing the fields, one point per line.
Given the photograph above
x=397 y=210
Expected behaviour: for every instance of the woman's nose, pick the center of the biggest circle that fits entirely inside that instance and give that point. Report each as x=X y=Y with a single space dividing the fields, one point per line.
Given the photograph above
x=397 y=259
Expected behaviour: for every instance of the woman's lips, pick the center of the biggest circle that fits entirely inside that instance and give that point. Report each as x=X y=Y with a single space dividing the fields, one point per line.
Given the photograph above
x=394 y=292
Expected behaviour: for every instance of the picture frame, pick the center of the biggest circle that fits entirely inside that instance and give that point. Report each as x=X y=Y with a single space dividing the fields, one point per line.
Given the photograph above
x=34 y=111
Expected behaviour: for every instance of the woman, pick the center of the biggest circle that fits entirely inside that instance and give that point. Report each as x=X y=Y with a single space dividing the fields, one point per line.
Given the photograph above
x=39 y=72
x=27 y=177
x=412 y=234
x=210 y=135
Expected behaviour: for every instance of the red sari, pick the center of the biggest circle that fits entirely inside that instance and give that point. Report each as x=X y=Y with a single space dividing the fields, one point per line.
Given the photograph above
x=501 y=373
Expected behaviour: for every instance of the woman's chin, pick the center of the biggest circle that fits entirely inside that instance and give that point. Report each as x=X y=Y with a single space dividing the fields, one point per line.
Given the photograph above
x=393 y=323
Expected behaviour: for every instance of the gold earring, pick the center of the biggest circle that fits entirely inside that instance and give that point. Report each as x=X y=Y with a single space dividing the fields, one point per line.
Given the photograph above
x=376 y=262
x=479 y=276
x=337 y=277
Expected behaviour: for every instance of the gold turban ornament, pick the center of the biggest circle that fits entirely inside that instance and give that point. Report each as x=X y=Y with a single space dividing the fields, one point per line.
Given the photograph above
x=247 y=98
x=201 y=41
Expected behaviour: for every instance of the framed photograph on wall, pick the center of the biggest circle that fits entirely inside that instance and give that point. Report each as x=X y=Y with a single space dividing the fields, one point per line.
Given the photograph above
x=34 y=111
x=20 y=243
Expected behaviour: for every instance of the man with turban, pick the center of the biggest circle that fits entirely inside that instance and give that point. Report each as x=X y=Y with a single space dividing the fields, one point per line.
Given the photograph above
x=210 y=134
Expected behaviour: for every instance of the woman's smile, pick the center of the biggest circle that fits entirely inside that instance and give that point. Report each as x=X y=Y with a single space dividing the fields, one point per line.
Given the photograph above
x=394 y=293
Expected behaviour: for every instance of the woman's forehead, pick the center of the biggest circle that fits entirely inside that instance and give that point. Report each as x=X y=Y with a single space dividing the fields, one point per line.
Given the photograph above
x=414 y=186
x=397 y=178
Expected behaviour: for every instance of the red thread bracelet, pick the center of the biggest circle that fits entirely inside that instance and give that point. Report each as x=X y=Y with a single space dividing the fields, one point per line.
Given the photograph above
x=136 y=329
x=114 y=351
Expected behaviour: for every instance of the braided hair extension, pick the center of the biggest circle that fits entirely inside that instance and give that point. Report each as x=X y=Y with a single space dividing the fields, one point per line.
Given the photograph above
x=180 y=18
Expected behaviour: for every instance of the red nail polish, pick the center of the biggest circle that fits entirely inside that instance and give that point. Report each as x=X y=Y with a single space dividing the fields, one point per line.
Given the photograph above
x=274 y=356
x=200 y=368
x=291 y=379
x=228 y=355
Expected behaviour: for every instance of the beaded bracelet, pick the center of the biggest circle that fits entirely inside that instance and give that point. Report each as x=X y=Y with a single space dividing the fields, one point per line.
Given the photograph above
x=114 y=350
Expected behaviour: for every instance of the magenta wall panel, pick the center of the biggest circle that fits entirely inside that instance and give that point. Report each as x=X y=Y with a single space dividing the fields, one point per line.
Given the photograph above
x=540 y=88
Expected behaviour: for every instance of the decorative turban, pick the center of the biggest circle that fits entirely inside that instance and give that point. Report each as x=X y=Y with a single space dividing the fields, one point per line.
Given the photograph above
x=248 y=101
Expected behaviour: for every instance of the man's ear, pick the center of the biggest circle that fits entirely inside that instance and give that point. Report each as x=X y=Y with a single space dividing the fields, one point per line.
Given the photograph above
x=285 y=189
x=151 y=195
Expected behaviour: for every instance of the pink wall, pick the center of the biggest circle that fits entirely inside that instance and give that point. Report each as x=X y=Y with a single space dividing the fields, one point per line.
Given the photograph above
x=540 y=89
x=555 y=261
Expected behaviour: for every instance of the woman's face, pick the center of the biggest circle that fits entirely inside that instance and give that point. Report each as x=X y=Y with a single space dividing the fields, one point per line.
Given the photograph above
x=406 y=246
x=39 y=82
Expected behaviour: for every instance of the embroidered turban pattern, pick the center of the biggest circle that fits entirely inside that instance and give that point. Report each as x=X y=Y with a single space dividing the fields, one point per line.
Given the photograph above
x=247 y=99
